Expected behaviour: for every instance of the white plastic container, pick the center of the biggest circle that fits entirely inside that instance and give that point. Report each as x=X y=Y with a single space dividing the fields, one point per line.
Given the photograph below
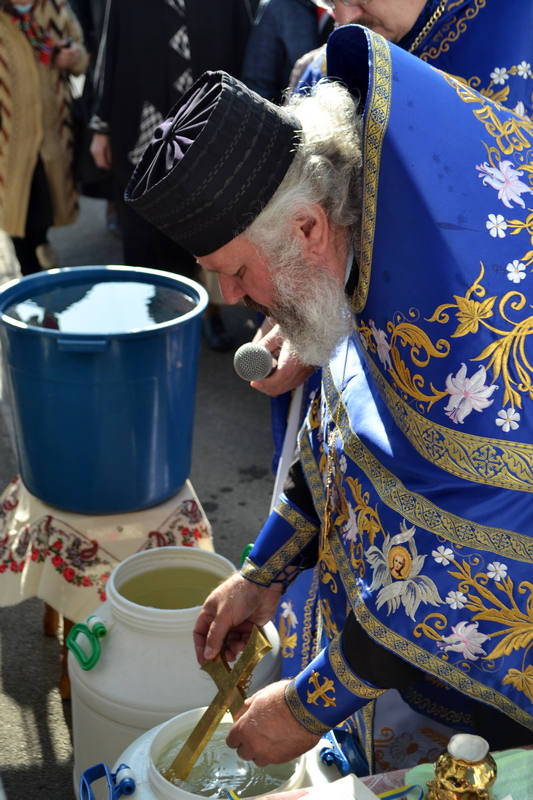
x=147 y=671
x=143 y=754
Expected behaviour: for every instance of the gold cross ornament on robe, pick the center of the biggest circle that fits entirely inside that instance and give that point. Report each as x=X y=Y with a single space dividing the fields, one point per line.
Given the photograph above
x=231 y=695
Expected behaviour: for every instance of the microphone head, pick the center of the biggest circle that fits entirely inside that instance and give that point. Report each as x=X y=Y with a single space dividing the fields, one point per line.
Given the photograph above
x=253 y=362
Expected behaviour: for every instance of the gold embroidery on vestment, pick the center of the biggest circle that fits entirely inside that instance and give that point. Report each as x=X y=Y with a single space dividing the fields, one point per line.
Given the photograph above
x=377 y=117
x=320 y=690
x=304 y=533
x=414 y=507
x=449 y=33
x=301 y=713
x=418 y=656
x=349 y=680
x=495 y=462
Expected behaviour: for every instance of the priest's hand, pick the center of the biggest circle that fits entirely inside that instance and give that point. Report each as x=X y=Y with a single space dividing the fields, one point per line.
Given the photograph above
x=266 y=732
x=289 y=372
x=229 y=614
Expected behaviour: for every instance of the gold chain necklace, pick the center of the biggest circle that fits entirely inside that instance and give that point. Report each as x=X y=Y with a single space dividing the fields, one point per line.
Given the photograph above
x=427 y=27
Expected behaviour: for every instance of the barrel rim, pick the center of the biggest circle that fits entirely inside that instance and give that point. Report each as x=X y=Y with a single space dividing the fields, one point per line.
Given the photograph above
x=9 y=293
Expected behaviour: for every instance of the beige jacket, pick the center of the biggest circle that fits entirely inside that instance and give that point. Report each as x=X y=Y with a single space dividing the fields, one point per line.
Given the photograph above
x=35 y=108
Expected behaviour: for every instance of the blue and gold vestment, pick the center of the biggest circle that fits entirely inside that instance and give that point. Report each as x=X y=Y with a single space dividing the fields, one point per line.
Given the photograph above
x=424 y=421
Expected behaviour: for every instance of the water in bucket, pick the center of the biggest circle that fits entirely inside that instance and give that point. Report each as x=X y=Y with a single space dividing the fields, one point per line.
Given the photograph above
x=102 y=308
x=219 y=769
x=170 y=587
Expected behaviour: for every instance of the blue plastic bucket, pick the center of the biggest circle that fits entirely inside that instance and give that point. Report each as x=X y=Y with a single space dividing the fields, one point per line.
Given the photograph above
x=102 y=363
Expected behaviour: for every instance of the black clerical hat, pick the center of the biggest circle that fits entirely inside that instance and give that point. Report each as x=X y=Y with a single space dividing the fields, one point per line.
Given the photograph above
x=213 y=164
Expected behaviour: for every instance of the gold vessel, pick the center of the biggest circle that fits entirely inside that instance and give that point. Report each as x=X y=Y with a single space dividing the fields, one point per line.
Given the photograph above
x=465 y=771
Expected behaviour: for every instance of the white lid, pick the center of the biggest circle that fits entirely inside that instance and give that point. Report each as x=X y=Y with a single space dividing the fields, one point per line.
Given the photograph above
x=468 y=747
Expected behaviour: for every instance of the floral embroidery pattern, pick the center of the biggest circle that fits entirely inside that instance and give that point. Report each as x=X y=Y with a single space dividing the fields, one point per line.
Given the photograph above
x=499 y=76
x=516 y=271
x=75 y=558
x=508 y=419
x=507 y=346
x=497 y=571
x=506 y=179
x=456 y=600
x=467 y=394
x=496 y=225
x=442 y=555
x=465 y=639
x=382 y=345
x=185 y=526
x=497 y=606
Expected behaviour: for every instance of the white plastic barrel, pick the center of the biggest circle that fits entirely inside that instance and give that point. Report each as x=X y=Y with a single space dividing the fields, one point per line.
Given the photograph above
x=147 y=672
x=142 y=756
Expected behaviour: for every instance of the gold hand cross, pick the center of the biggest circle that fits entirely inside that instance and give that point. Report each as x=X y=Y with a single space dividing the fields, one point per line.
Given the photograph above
x=230 y=695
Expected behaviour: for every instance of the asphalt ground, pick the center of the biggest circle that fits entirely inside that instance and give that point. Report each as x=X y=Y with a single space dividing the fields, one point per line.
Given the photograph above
x=231 y=473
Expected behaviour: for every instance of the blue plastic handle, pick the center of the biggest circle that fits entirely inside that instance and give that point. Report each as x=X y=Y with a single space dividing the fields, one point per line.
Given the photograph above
x=345 y=753
x=82 y=345
x=125 y=786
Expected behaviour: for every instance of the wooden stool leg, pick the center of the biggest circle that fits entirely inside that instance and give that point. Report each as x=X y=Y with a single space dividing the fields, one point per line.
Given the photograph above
x=64 y=681
x=50 y=620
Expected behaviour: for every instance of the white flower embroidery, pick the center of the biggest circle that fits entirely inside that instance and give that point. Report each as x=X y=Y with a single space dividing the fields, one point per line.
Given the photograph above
x=507 y=181
x=524 y=69
x=382 y=345
x=496 y=225
x=410 y=589
x=289 y=614
x=442 y=555
x=497 y=570
x=516 y=271
x=363 y=341
x=508 y=419
x=467 y=394
x=350 y=530
x=343 y=464
x=456 y=600
x=499 y=76
x=520 y=109
x=465 y=639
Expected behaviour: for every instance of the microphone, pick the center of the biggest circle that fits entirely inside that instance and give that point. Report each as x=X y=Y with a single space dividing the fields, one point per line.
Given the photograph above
x=253 y=362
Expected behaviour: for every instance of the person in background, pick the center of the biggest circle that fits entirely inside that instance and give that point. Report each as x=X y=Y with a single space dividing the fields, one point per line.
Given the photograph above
x=41 y=44
x=90 y=15
x=281 y=35
x=150 y=53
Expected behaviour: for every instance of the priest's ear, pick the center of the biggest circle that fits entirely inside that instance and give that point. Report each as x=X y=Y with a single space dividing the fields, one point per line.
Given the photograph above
x=312 y=228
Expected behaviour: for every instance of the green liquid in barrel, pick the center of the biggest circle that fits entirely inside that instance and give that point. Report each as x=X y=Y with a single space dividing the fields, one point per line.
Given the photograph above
x=170 y=587
x=219 y=769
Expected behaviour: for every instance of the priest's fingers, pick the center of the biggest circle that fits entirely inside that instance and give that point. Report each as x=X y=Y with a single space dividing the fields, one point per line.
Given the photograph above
x=288 y=374
x=226 y=609
x=267 y=732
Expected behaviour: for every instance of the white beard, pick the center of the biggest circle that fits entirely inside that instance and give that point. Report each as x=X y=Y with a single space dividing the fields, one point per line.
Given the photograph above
x=311 y=309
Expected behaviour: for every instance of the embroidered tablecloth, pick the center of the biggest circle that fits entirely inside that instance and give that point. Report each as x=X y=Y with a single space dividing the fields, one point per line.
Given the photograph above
x=66 y=558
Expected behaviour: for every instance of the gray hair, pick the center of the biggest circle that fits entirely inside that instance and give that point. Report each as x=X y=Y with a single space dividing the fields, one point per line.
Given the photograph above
x=326 y=169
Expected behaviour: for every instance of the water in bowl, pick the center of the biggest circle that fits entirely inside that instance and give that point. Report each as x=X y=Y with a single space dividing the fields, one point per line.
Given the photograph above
x=219 y=769
x=104 y=307
x=170 y=587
